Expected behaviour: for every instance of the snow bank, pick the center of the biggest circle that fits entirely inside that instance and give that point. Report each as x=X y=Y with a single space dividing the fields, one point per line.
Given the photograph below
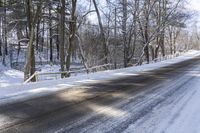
x=10 y=76
x=24 y=91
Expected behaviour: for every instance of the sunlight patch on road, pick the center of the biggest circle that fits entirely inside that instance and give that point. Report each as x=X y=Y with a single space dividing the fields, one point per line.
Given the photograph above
x=5 y=120
x=107 y=110
x=75 y=95
x=119 y=95
x=125 y=74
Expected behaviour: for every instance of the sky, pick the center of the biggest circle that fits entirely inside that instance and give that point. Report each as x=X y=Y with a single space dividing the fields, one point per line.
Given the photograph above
x=194 y=4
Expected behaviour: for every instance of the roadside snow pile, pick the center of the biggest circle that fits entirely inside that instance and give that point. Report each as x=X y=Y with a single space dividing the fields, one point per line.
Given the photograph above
x=23 y=91
x=10 y=76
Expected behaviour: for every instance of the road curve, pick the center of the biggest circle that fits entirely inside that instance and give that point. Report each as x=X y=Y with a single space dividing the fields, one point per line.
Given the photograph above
x=109 y=106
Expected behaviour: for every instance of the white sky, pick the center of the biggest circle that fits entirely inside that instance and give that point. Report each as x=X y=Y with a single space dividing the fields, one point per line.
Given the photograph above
x=194 y=5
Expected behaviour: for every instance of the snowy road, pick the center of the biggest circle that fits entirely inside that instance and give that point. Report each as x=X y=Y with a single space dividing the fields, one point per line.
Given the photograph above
x=158 y=101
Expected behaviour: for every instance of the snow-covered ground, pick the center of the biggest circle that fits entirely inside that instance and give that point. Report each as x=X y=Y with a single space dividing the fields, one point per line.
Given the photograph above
x=12 y=77
x=9 y=76
x=13 y=91
x=173 y=108
x=177 y=113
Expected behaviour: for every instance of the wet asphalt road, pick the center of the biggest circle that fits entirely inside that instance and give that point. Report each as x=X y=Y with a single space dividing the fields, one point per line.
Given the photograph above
x=109 y=106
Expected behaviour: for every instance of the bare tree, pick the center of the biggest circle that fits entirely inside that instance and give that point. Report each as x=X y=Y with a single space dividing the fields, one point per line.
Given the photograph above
x=32 y=21
x=103 y=38
x=72 y=36
x=62 y=36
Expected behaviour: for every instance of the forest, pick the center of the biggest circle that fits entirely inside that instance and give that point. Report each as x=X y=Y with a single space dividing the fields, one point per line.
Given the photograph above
x=118 y=33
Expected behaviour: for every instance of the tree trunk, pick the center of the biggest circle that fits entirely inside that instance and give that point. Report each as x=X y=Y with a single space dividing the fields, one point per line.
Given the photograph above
x=19 y=37
x=146 y=30
x=124 y=31
x=103 y=38
x=146 y=48
x=136 y=5
x=37 y=34
x=170 y=40
x=162 y=38
x=156 y=51
x=50 y=34
x=57 y=43
x=1 y=37
x=115 y=34
x=5 y=30
x=32 y=20
x=62 y=37
x=4 y=35
x=43 y=33
x=72 y=34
